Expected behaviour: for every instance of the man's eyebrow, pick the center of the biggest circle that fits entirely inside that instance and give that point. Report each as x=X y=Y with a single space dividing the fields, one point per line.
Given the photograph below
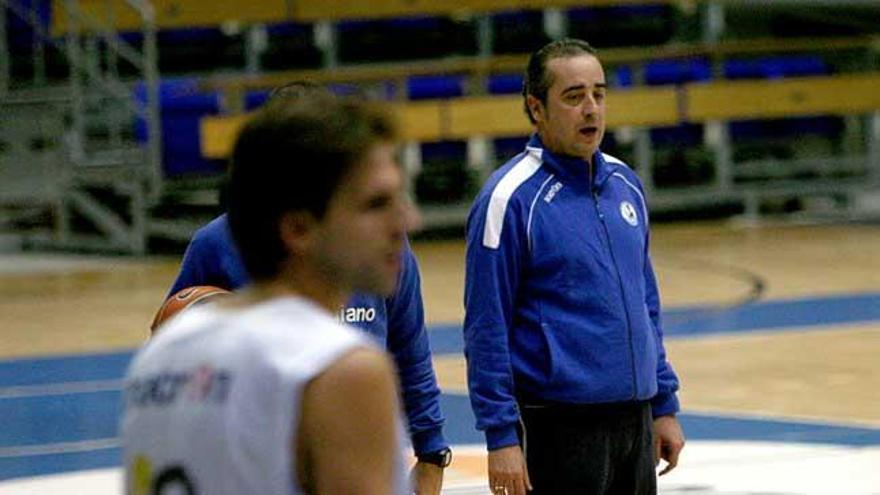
x=579 y=87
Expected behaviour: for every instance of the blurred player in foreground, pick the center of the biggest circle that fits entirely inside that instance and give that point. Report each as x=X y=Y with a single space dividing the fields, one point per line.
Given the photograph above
x=267 y=392
x=396 y=322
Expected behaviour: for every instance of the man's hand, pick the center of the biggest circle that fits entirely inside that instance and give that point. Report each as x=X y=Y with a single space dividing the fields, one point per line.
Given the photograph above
x=508 y=474
x=427 y=478
x=668 y=442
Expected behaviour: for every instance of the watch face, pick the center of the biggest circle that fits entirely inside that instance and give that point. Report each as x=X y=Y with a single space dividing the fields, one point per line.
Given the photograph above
x=440 y=458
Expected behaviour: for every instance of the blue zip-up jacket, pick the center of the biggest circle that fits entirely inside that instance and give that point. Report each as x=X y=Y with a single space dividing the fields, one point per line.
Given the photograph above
x=397 y=322
x=560 y=296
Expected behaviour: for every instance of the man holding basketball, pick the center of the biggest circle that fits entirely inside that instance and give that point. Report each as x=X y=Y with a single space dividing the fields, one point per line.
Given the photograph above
x=395 y=321
x=266 y=391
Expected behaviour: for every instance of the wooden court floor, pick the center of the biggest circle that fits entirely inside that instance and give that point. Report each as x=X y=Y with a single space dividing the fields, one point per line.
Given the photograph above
x=53 y=304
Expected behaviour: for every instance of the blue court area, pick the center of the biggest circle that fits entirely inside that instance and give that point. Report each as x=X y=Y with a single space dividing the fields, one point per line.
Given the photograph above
x=61 y=414
x=701 y=321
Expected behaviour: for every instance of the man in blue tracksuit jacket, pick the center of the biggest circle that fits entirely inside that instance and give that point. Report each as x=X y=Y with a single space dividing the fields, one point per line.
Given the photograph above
x=562 y=329
x=396 y=322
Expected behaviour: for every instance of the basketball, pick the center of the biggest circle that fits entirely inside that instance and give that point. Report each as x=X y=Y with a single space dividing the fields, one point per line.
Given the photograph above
x=183 y=299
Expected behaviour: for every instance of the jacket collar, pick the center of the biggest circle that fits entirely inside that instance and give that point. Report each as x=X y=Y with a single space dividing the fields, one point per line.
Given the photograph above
x=573 y=168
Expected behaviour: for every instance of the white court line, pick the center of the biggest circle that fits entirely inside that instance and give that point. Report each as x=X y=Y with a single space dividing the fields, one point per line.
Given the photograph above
x=472 y=489
x=61 y=263
x=65 y=388
x=707 y=468
x=741 y=468
x=59 y=448
x=92 y=482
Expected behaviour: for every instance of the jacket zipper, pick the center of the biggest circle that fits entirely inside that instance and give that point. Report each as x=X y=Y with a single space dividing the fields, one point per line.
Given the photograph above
x=632 y=357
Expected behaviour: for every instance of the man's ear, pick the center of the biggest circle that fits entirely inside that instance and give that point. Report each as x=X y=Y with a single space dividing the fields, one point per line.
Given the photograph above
x=536 y=108
x=297 y=231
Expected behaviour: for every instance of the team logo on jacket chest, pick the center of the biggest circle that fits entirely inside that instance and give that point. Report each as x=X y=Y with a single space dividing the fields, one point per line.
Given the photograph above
x=628 y=212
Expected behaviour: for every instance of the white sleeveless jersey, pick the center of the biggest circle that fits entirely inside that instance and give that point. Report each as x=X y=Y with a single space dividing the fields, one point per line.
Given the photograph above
x=211 y=403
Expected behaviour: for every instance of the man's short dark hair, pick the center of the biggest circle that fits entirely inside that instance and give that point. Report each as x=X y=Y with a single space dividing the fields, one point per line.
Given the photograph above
x=292 y=156
x=537 y=80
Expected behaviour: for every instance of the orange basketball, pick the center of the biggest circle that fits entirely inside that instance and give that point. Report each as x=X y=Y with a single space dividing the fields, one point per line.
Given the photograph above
x=183 y=299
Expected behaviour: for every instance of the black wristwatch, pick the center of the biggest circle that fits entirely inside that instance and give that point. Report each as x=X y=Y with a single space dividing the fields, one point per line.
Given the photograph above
x=441 y=458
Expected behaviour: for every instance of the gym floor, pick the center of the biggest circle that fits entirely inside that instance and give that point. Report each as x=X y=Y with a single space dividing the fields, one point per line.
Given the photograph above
x=773 y=329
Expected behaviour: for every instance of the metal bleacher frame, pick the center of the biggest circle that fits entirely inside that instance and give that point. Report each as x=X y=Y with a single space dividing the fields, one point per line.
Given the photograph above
x=98 y=183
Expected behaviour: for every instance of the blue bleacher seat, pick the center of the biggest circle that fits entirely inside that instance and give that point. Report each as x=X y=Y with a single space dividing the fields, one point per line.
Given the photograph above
x=503 y=84
x=627 y=25
x=132 y=37
x=680 y=135
x=779 y=67
x=189 y=50
x=444 y=177
x=430 y=87
x=622 y=76
x=442 y=150
x=660 y=72
x=507 y=147
x=620 y=11
x=255 y=99
x=288 y=29
x=405 y=38
x=182 y=105
x=20 y=34
x=774 y=67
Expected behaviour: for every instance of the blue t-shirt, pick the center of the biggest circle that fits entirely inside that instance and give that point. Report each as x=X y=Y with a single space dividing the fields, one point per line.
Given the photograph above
x=397 y=322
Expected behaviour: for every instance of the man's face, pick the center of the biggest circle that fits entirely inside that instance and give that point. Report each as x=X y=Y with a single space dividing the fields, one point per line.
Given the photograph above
x=572 y=122
x=360 y=238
